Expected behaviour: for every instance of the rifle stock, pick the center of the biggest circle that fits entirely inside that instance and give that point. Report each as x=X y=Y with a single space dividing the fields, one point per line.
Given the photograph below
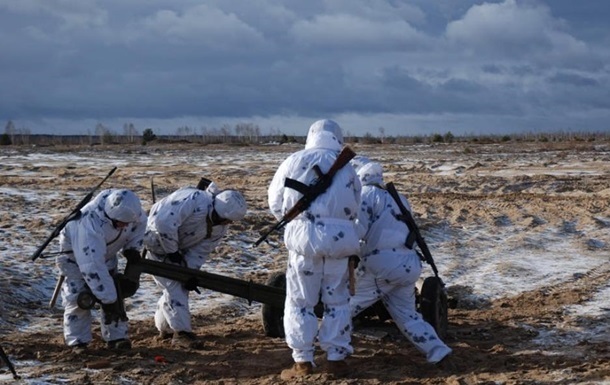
x=322 y=184
x=73 y=215
x=60 y=282
x=152 y=190
x=352 y=275
x=410 y=221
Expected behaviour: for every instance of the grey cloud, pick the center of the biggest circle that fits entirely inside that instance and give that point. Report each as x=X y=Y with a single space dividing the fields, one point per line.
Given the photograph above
x=573 y=79
x=200 y=27
x=513 y=30
x=492 y=68
x=230 y=59
x=462 y=86
x=351 y=32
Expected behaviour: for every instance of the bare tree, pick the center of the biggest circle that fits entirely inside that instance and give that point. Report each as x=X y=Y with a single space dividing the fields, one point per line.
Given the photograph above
x=183 y=132
x=104 y=133
x=225 y=130
x=129 y=130
x=24 y=134
x=203 y=130
x=10 y=130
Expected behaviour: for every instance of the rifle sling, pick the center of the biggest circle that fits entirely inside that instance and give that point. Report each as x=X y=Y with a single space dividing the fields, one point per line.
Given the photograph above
x=306 y=190
x=296 y=185
x=411 y=238
x=405 y=217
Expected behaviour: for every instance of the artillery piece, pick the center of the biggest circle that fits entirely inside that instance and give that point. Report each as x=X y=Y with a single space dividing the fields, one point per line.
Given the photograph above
x=432 y=301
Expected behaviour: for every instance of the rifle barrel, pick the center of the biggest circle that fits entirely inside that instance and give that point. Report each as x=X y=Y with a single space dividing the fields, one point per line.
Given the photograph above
x=74 y=214
x=8 y=363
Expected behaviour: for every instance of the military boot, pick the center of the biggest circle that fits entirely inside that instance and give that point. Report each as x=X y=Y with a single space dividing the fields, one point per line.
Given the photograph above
x=337 y=368
x=79 y=348
x=186 y=340
x=299 y=369
x=164 y=336
x=120 y=344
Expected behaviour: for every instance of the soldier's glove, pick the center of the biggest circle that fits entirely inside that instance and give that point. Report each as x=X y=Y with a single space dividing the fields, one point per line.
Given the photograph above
x=131 y=254
x=191 y=285
x=175 y=257
x=126 y=286
x=112 y=313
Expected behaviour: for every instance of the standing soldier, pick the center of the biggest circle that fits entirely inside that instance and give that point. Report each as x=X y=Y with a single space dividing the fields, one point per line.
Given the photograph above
x=112 y=222
x=319 y=242
x=389 y=269
x=183 y=228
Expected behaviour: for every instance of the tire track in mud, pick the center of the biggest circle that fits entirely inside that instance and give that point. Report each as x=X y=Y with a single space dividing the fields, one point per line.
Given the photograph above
x=505 y=341
x=550 y=300
x=541 y=307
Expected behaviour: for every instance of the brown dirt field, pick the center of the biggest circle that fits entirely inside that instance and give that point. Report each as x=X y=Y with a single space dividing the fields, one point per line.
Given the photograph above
x=493 y=343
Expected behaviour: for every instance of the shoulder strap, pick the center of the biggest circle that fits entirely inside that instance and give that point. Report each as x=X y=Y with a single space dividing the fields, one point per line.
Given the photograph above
x=311 y=192
x=404 y=216
x=407 y=218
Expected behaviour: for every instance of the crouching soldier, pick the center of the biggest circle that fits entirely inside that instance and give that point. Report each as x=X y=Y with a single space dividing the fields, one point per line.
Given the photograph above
x=112 y=222
x=183 y=228
x=389 y=269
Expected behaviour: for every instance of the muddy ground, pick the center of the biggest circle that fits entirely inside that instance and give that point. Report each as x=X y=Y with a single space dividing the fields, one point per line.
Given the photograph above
x=494 y=342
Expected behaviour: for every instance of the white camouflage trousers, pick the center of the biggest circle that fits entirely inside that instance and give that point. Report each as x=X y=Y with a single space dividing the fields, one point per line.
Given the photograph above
x=391 y=277
x=308 y=280
x=77 y=321
x=173 y=313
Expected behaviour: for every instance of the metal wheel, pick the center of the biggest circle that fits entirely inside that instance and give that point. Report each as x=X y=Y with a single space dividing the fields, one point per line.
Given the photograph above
x=433 y=305
x=273 y=317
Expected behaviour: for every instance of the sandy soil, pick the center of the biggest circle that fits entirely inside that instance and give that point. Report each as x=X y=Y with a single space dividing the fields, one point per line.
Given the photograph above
x=493 y=342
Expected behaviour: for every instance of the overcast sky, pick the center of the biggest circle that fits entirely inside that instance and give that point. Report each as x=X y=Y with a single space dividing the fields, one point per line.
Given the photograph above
x=411 y=67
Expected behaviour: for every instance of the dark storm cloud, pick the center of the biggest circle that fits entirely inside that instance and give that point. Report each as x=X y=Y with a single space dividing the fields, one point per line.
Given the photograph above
x=573 y=79
x=289 y=61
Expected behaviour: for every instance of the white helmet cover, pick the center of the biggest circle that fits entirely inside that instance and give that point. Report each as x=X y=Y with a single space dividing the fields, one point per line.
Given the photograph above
x=123 y=205
x=371 y=173
x=230 y=204
x=359 y=161
x=326 y=125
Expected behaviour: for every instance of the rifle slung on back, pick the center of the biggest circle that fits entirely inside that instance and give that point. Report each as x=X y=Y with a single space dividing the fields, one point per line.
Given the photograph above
x=75 y=214
x=310 y=193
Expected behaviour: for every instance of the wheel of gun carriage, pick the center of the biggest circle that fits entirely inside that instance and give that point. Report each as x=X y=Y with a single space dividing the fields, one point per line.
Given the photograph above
x=433 y=305
x=273 y=317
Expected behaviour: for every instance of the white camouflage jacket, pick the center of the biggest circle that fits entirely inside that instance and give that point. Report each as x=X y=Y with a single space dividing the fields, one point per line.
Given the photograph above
x=182 y=222
x=94 y=243
x=327 y=227
x=381 y=231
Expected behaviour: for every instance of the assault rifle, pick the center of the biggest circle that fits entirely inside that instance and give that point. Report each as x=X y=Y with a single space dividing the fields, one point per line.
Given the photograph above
x=4 y=358
x=414 y=234
x=310 y=193
x=73 y=215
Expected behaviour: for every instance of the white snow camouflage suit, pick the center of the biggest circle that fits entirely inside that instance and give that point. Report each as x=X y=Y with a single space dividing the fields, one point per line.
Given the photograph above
x=319 y=242
x=181 y=222
x=94 y=243
x=388 y=270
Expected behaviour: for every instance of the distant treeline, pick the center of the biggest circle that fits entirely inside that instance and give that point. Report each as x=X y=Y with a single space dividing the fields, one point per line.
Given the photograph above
x=246 y=134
